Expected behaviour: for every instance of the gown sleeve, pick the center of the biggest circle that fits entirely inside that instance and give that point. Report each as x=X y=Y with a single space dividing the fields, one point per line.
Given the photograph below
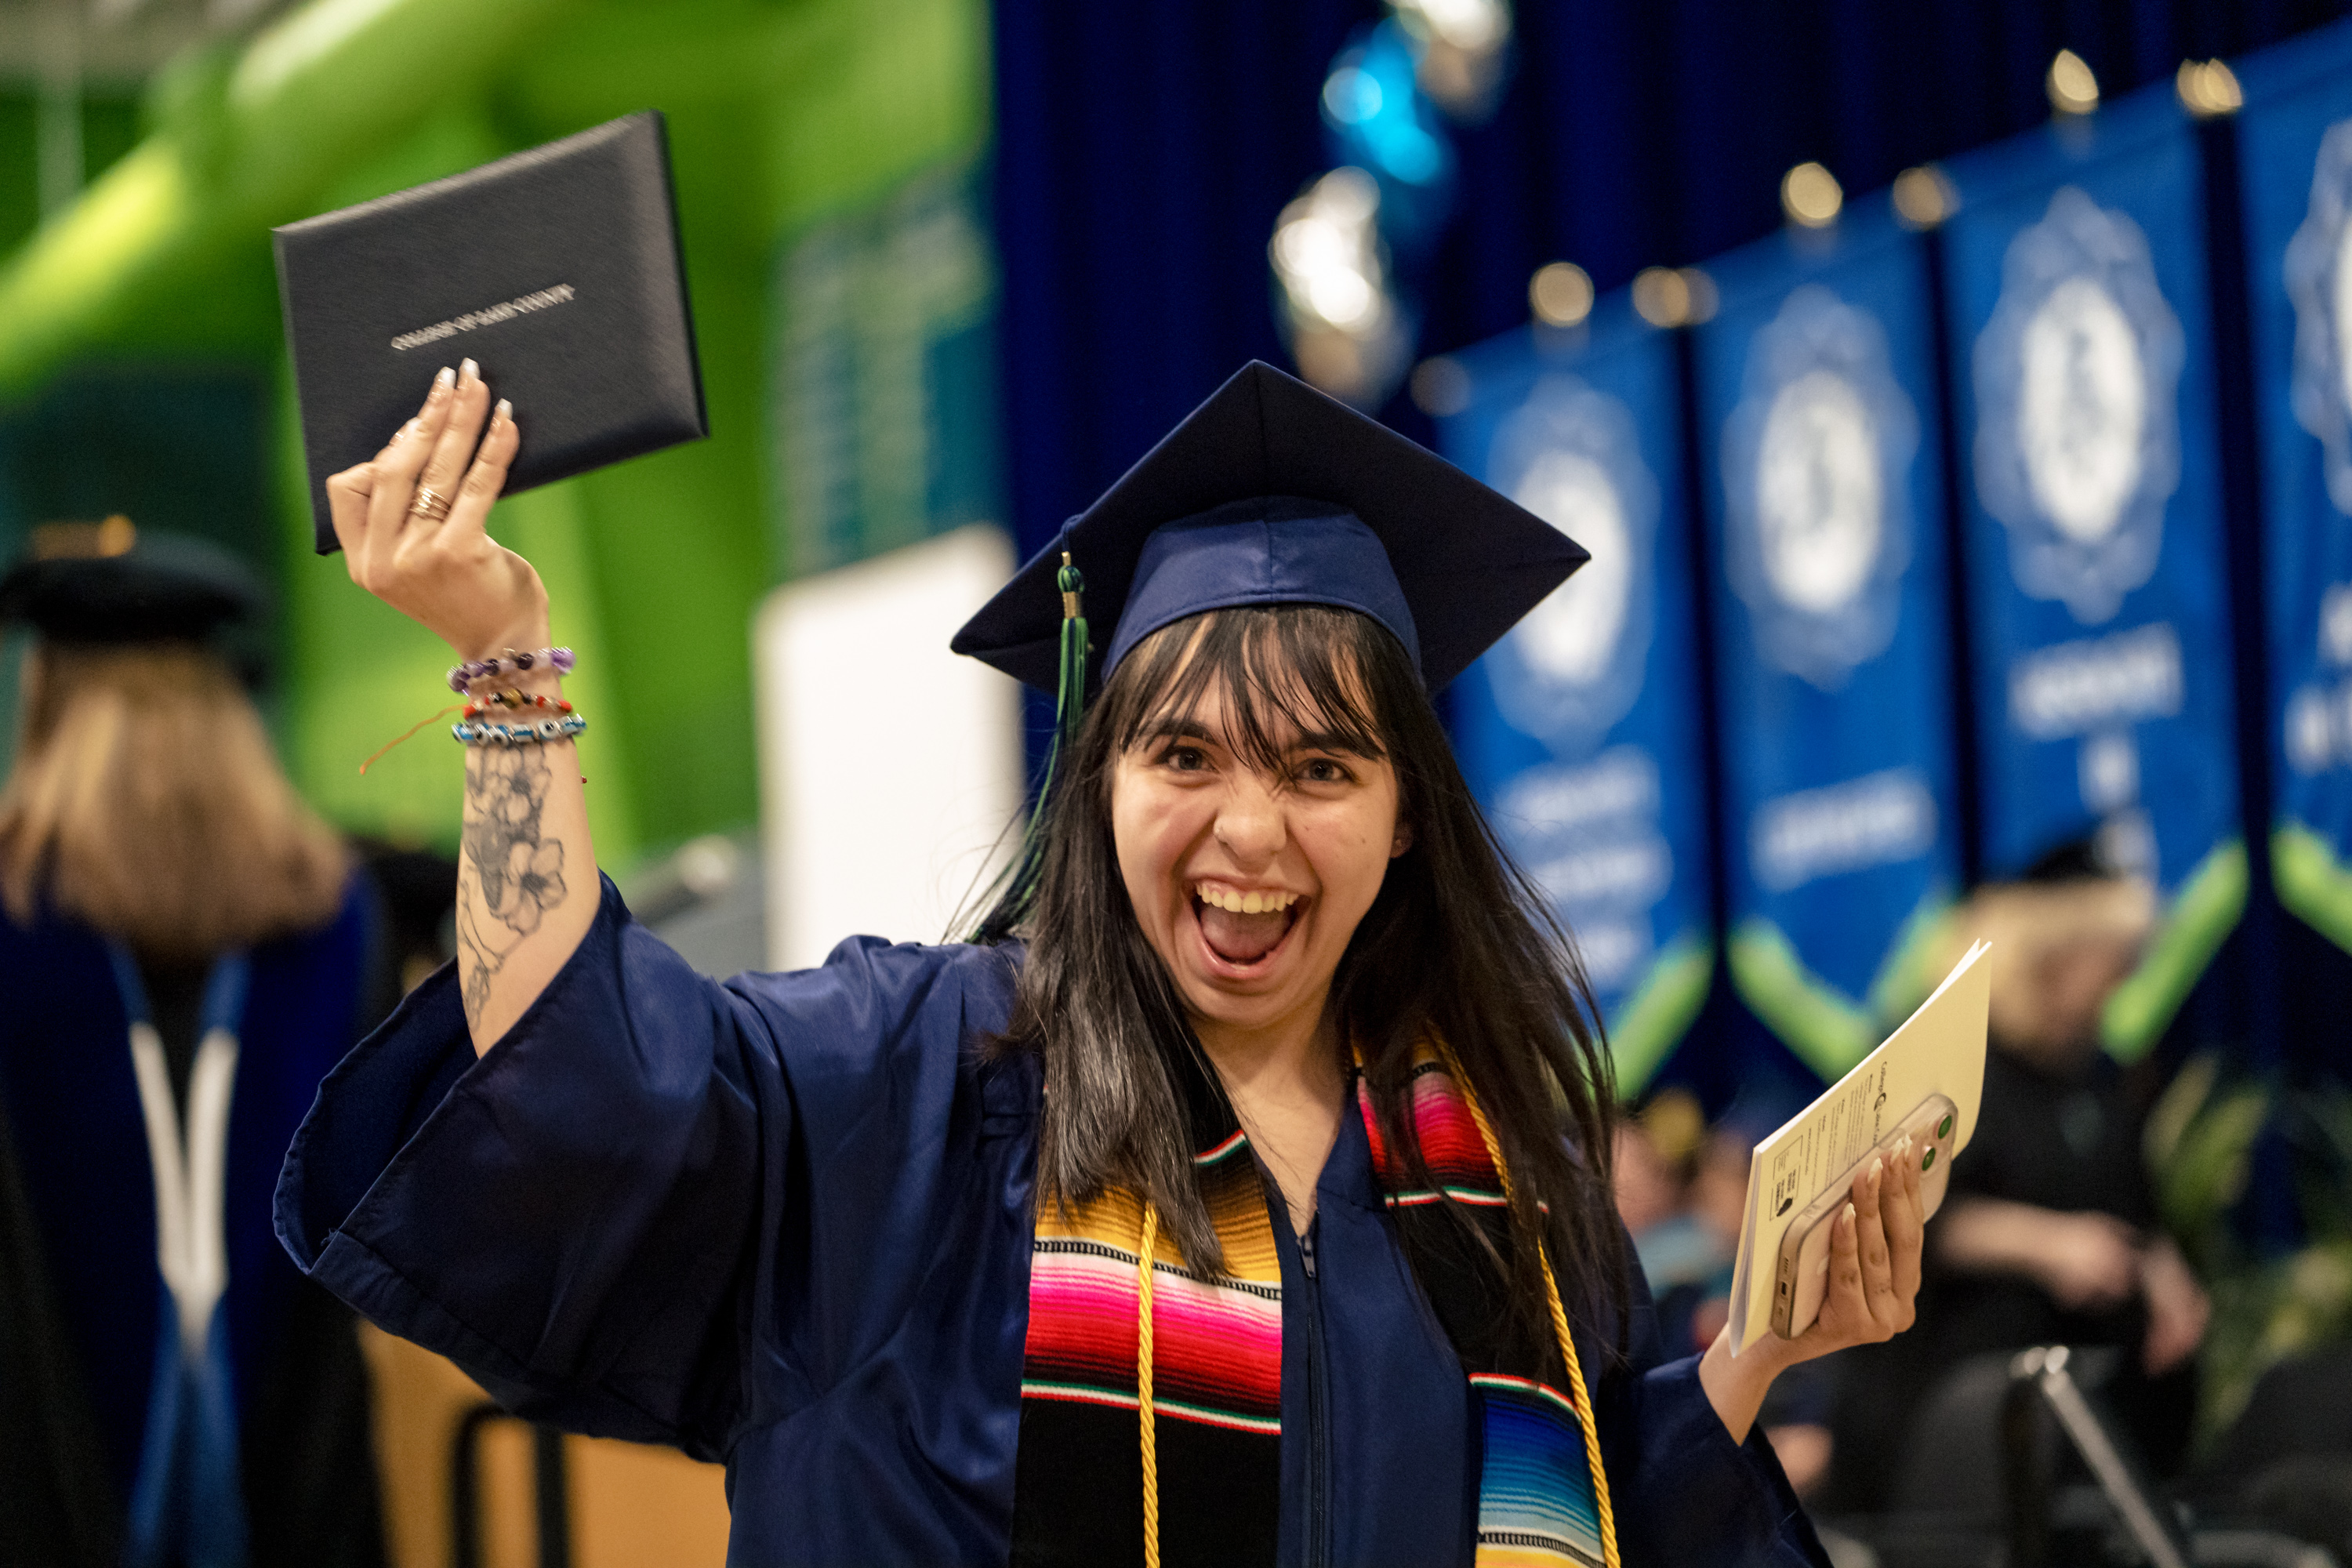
x=661 y=1208
x=1685 y=1492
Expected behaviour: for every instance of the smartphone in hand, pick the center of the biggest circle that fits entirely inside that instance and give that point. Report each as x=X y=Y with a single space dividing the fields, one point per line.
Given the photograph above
x=1803 y=1275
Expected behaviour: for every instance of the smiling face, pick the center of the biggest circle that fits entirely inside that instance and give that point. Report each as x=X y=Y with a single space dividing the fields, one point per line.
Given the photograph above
x=1248 y=874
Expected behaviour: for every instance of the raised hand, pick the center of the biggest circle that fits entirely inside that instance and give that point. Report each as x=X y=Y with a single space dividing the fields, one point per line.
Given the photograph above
x=413 y=522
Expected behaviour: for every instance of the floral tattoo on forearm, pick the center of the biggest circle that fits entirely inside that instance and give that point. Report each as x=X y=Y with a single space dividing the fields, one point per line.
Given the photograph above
x=509 y=877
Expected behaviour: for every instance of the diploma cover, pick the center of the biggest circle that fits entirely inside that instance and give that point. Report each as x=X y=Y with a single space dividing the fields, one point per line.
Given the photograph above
x=557 y=270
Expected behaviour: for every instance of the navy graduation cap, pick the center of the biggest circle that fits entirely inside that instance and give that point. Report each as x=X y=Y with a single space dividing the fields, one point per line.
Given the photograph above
x=113 y=582
x=1272 y=493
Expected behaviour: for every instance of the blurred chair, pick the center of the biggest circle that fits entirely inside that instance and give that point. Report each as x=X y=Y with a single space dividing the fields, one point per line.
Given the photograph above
x=2287 y=1458
x=2008 y=1463
x=531 y=1498
x=550 y=1490
x=2300 y=1408
x=1951 y=1460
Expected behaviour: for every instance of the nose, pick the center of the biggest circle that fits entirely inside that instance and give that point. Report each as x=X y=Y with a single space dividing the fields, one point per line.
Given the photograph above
x=1250 y=822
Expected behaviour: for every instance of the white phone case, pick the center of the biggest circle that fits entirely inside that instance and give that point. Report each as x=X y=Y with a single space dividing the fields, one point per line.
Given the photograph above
x=1803 y=1276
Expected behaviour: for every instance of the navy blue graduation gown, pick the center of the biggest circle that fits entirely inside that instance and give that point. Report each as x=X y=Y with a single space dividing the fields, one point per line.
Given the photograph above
x=86 y=1194
x=784 y=1223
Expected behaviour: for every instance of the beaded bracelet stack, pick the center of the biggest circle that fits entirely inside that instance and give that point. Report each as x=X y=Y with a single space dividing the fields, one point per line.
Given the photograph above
x=489 y=699
x=561 y=723
x=515 y=663
x=482 y=734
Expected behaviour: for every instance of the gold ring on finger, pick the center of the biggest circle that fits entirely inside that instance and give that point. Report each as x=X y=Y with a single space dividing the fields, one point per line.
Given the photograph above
x=430 y=504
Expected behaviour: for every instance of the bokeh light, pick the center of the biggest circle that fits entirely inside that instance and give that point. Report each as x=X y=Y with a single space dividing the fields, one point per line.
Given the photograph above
x=1560 y=294
x=1811 y=196
x=2208 y=88
x=1344 y=326
x=1674 y=296
x=1464 y=48
x=1924 y=197
x=2073 y=88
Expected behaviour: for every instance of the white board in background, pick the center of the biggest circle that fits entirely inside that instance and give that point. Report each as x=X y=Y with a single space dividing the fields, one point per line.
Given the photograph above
x=888 y=767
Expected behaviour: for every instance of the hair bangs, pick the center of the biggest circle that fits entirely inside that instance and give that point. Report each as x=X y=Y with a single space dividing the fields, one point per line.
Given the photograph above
x=1291 y=678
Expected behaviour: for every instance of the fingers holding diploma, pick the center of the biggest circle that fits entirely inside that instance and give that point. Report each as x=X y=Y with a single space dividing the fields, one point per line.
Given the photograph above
x=487 y=475
x=412 y=521
x=403 y=459
x=453 y=447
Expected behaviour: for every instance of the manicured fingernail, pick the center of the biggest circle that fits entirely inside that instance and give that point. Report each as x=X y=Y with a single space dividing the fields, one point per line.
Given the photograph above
x=444 y=379
x=469 y=370
x=1847 y=1218
x=1877 y=1169
x=506 y=409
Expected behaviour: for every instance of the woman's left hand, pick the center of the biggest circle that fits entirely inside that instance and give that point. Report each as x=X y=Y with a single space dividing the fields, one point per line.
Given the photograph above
x=1874 y=1285
x=1874 y=1280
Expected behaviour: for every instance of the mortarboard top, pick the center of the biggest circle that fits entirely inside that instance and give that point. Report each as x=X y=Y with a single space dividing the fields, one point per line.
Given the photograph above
x=113 y=583
x=1271 y=492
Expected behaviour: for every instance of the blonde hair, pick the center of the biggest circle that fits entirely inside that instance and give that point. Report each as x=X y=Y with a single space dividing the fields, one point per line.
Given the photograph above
x=146 y=802
x=2030 y=925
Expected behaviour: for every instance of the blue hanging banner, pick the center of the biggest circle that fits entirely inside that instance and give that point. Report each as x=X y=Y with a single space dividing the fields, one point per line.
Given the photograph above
x=2295 y=140
x=2098 y=585
x=1580 y=731
x=1817 y=397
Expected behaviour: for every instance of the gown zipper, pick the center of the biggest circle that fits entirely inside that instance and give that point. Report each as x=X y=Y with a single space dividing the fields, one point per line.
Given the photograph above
x=1318 y=1421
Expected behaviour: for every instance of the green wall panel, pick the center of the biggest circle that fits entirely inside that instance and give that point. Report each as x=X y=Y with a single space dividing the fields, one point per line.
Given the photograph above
x=781 y=116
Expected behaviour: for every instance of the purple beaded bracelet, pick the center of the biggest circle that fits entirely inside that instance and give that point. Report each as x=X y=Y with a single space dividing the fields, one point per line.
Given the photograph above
x=514 y=663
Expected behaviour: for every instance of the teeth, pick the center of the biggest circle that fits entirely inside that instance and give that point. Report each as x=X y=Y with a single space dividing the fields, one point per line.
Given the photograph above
x=1245 y=903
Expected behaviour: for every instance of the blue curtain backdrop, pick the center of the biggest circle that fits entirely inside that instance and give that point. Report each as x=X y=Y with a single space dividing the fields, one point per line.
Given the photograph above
x=1144 y=150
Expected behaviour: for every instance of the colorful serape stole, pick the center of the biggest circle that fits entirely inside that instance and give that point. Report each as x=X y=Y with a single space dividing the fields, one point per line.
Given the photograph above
x=1216 y=1382
x=1081 y=1494
x=1542 y=1494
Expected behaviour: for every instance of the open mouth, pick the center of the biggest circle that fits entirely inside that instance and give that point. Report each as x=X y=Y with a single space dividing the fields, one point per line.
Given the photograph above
x=1242 y=929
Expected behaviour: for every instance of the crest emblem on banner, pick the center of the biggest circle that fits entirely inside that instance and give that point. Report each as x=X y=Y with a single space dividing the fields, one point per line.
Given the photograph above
x=1815 y=457
x=2319 y=281
x=1573 y=666
x=2078 y=435
x=2318 y=728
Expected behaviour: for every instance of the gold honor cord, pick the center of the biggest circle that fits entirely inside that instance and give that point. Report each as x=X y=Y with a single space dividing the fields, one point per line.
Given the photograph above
x=1144 y=1413
x=1558 y=1322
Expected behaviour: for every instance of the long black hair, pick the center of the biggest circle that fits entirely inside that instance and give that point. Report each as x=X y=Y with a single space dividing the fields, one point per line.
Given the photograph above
x=1457 y=946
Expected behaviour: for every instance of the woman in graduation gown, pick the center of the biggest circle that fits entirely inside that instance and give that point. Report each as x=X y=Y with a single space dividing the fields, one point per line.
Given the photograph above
x=1262 y=1004
x=183 y=950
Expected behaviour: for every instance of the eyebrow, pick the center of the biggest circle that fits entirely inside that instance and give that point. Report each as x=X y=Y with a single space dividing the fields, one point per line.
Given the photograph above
x=1333 y=740
x=1307 y=741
